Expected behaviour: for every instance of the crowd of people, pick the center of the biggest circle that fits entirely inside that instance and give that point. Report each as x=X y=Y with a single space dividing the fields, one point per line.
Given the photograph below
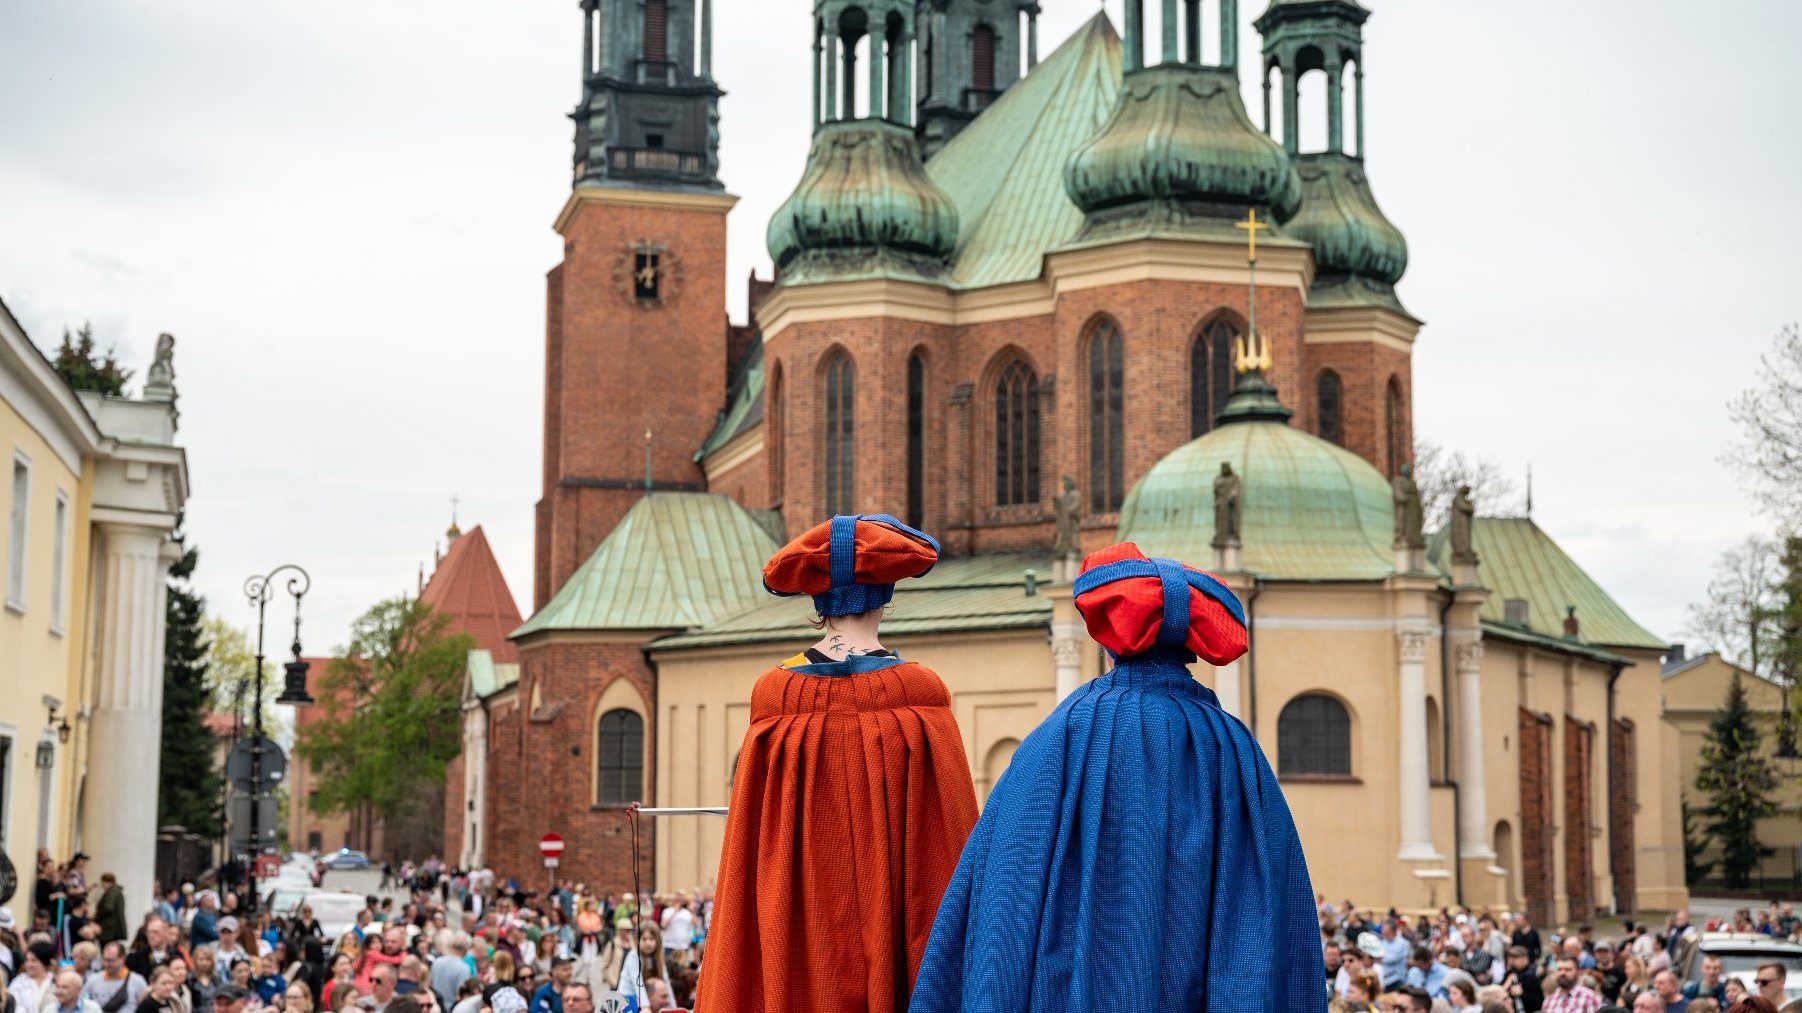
x=459 y=943
x=1480 y=962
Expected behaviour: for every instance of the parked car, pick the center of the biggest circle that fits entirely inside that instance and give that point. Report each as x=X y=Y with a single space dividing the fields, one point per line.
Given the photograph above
x=284 y=899
x=1742 y=954
x=336 y=911
x=345 y=858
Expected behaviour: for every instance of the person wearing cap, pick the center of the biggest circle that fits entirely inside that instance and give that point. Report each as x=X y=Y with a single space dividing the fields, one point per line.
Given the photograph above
x=851 y=799
x=1138 y=794
x=230 y=999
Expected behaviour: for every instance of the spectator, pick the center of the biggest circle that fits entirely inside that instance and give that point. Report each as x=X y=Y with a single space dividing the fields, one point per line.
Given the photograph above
x=1710 y=985
x=1426 y=972
x=1639 y=980
x=549 y=997
x=1704 y=1004
x=658 y=989
x=469 y=997
x=1754 y=1004
x=1609 y=972
x=1395 y=956
x=110 y=911
x=116 y=989
x=230 y=999
x=1664 y=986
x=1527 y=937
x=1416 y=1000
x=159 y=937
x=68 y=994
x=1768 y=980
x=84 y=957
x=643 y=963
x=1570 y=995
x=297 y=999
x=381 y=988
x=1648 y=1002
x=451 y=970
x=204 y=928
x=203 y=979
x=1522 y=984
x=32 y=988
x=158 y=997
x=1461 y=994
x=578 y=998
x=181 y=1000
x=269 y=983
x=229 y=950
x=407 y=975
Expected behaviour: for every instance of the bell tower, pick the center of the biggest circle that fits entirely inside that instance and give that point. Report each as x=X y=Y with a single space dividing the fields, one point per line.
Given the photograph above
x=969 y=55
x=635 y=315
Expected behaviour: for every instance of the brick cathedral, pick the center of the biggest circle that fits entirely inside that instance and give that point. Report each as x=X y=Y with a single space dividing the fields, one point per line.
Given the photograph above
x=997 y=273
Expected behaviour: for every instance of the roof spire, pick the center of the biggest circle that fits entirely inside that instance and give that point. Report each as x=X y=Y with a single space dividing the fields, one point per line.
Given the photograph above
x=1253 y=396
x=647 y=460
x=453 y=532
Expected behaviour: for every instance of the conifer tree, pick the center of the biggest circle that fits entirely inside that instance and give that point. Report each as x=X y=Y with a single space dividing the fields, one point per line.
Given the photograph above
x=1738 y=780
x=188 y=792
x=84 y=369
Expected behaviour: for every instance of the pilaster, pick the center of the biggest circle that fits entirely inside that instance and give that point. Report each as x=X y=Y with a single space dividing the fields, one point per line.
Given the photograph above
x=1067 y=638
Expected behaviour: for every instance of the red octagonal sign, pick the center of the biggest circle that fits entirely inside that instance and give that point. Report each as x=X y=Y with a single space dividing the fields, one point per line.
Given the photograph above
x=550 y=845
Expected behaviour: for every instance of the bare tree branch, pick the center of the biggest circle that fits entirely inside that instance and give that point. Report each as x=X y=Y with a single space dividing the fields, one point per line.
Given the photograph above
x=1742 y=617
x=1439 y=472
x=1768 y=453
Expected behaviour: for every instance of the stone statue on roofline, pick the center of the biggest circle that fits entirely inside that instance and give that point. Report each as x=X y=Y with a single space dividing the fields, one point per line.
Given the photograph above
x=1410 y=517
x=1226 y=508
x=1464 y=512
x=159 y=382
x=1068 y=508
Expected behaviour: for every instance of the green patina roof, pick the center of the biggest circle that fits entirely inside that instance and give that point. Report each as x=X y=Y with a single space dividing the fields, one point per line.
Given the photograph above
x=1005 y=170
x=1516 y=559
x=1360 y=255
x=1309 y=510
x=744 y=402
x=486 y=677
x=678 y=560
x=968 y=593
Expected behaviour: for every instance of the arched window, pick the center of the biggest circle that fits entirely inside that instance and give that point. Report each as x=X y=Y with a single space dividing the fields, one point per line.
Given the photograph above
x=841 y=400
x=1392 y=426
x=619 y=758
x=1327 y=399
x=777 y=437
x=916 y=439
x=1017 y=435
x=1107 y=408
x=656 y=31
x=982 y=58
x=1210 y=373
x=1313 y=736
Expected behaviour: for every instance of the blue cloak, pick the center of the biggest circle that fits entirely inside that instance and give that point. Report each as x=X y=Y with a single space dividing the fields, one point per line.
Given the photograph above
x=1137 y=854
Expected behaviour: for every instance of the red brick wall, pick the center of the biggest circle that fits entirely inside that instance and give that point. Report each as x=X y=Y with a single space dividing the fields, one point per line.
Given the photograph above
x=1538 y=875
x=1365 y=369
x=1579 y=819
x=615 y=368
x=455 y=813
x=1159 y=321
x=747 y=482
x=541 y=768
x=1623 y=801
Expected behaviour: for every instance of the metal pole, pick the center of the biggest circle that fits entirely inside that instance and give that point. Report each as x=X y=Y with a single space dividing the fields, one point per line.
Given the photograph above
x=256 y=763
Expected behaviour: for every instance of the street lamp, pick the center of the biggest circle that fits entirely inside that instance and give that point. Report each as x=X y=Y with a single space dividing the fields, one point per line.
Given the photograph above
x=259 y=590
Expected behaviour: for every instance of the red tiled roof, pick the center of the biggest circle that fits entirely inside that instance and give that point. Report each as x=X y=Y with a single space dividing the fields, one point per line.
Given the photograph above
x=468 y=587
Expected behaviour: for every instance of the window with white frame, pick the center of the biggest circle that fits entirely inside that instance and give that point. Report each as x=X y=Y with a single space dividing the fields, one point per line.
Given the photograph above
x=59 y=563
x=15 y=541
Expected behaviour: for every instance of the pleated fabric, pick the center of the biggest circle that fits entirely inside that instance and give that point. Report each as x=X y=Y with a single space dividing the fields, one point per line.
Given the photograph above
x=1137 y=854
x=851 y=803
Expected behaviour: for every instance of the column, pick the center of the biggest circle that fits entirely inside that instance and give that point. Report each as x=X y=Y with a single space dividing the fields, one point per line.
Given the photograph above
x=818 y=45
x=1267 y=101
x=1411 y=753
x=1032 y=38
x=1171 y=54
x=1229 y=34
x=587 y=43
x=1135 y=34
x=1192 y=31
x=125 y=741
x=1358 y=80
x=1291 y=132
x=1473 y=829
x=878 y=59
x=831 y=77
x=1335 y=108
x=707 y=39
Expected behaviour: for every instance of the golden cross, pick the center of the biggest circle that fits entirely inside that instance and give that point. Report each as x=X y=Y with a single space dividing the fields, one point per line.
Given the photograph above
x=1251 y=225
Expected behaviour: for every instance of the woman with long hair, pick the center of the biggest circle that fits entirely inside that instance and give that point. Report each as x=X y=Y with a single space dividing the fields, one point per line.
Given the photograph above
x=343 y=973
x=160 y=996
x=297 y=999
x=500 y=969
x=203 y=978
x=1754 y=1004
x=589 y=941
x=1361 y=992
x=181 y=999
x=1638 y=980
x=644 y=962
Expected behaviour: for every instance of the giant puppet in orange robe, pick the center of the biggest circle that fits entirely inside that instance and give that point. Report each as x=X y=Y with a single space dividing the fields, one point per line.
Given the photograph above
x=851 y=800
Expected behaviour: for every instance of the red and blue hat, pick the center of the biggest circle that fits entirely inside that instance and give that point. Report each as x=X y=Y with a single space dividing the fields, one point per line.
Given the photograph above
x=1133 y=604
x=850 y=564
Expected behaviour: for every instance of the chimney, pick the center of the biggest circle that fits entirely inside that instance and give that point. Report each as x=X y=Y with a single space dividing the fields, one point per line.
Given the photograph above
x=1570 y=621
x=1673 y=655
x=1514 y=612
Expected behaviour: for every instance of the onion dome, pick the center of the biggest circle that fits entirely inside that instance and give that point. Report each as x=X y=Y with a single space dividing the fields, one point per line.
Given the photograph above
x=864 y=204
x=1308 y=509
x=1358 y=253
x=1181 y=134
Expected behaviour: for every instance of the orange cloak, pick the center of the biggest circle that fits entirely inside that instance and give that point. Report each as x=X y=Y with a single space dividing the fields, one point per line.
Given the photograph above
x=850 y=806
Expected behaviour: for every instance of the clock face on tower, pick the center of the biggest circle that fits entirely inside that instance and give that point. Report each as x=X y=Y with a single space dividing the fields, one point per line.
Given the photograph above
x=647 y=274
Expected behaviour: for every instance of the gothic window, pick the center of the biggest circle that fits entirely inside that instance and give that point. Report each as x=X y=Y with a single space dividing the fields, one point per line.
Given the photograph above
x=619 y=758
x=982 y=59
x=1107 y=433
x=1210 y=373
x=1313 y=736
x=1017 y=435
x=1327 y=392
x=656 y=31
x=1392 y=426
x=841 y=399
x=916 y=439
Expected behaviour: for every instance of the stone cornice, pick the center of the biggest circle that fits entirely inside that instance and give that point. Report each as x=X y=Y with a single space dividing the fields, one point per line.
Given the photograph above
x=688 y=200
x=733 y=452
x=1344 y=324
x=1070 y=270
x=32 y=388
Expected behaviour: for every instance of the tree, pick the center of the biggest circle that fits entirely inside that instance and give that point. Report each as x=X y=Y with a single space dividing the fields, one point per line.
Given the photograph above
x=1738 y=780
x=391 y=721
x=1742 y=617
x=1439 y=472
x=78 y=364
x=1694 y=843
x=232 y=672
x=188 y=778
x=1769 y=414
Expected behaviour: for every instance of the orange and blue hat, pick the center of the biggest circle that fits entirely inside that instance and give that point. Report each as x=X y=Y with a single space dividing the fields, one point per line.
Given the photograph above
x=850 y=564
x=1134 y=605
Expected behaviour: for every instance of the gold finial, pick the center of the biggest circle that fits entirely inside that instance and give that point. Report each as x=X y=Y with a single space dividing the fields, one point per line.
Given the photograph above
x=454 y=531
x=1251 y=353
x=1251 y=225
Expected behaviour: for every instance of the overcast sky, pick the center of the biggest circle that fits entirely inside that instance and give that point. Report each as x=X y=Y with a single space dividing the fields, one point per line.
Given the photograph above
x=342 y=209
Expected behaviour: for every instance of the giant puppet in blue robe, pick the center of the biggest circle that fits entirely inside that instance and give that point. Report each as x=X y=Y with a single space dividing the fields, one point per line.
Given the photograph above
x=1137 y=853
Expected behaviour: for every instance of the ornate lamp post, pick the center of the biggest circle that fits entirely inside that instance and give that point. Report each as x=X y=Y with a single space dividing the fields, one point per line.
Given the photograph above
x=259 y=590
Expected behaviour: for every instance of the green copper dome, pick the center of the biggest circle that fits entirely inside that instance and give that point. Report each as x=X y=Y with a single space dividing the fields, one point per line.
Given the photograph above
x=1309 y=510
x=1354 y=245
x=1180 y=134
x=864 y=206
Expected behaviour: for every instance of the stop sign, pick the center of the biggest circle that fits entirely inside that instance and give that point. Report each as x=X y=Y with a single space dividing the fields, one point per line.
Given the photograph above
x=550 y=845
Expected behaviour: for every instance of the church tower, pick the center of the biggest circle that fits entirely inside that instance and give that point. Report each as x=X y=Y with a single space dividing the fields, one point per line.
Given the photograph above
x=1358 y=381
x=969 y=55
x=635 y=330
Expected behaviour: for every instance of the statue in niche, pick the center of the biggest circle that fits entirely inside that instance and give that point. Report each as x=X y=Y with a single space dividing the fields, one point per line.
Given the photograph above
x=1464 y=511
x=1226 y=507
x=1410 y=518
x=1068 y=507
